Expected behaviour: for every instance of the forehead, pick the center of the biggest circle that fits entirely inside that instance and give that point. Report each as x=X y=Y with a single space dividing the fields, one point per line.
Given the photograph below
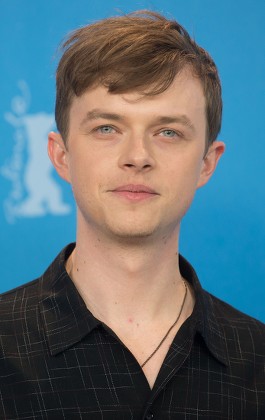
x=184 y=96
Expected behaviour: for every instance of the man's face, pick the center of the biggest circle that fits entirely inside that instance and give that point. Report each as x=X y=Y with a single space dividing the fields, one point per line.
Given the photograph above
x=135 y=162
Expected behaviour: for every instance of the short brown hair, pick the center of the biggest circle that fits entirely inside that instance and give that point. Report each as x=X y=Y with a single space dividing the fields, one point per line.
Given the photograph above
x=140 y=51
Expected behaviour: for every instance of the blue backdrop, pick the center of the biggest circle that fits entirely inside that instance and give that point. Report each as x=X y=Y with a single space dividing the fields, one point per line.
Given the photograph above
x=223 y=234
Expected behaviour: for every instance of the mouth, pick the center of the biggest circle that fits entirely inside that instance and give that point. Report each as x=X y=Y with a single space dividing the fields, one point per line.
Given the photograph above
x=135 y=192
x=135 y=189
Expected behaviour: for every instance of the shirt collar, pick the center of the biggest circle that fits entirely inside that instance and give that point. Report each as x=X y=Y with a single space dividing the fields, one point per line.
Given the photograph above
x=206 y=314
x=67 y=319
x=65 y=316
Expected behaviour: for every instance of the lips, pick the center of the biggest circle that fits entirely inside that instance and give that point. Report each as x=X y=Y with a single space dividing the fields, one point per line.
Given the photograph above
x=134 y=192
x=135 y=189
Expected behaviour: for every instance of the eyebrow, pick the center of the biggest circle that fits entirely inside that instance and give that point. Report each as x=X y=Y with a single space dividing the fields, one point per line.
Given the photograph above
x=96 y=114
x=183 y=119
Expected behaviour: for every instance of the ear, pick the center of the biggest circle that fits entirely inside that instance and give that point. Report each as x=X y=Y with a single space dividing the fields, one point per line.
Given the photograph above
x=58 y=155
x=210 y=161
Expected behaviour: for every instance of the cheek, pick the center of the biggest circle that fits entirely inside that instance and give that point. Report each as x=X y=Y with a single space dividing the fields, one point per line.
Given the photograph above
x=80 y=176
x=185 y=171
x=88 y=175
x=182 y=182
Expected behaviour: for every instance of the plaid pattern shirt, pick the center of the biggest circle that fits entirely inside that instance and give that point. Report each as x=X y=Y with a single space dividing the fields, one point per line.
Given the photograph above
x=58 y=362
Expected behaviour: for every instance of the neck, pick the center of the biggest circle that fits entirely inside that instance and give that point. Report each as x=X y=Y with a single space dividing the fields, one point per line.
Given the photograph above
x=125 y=280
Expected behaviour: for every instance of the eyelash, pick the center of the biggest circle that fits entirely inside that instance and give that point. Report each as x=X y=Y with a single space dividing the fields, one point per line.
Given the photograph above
x=174 y=133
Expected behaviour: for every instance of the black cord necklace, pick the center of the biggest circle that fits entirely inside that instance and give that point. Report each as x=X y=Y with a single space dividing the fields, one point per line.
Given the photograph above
x=170 y=329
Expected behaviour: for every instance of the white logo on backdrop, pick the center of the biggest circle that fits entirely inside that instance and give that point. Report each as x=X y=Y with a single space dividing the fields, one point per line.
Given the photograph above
x=34 y=192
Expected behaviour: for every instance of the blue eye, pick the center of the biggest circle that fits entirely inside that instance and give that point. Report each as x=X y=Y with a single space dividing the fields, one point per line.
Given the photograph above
x=169 y=133
x=106 y=129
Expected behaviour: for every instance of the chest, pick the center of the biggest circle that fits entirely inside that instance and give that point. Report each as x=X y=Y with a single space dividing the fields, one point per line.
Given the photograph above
x=99 y=377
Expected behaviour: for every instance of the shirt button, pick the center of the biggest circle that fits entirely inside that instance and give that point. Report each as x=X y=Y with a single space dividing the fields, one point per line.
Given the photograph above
x=149 y=416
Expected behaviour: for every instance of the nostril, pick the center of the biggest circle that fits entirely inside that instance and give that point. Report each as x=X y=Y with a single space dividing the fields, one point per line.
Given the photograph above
x=131 y=165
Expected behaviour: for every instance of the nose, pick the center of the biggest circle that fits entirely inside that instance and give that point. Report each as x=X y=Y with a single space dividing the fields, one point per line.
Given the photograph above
x=136 y=154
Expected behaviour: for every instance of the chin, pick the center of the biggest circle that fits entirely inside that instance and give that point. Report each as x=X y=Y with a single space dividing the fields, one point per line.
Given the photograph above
x=132 y=235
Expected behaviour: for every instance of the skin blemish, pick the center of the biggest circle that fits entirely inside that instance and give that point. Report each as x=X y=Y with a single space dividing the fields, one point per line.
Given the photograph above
x=130 y=320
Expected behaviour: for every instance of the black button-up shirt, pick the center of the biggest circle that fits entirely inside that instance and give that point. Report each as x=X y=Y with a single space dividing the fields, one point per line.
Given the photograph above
x=59 y=362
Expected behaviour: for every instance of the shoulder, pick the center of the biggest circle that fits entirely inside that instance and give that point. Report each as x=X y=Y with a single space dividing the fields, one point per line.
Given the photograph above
x=241 y=332
x=228 y=314
x=19 y=306
x=22 y=309
x=16 y=298
x=23 y=299
x=21 y=328
x=225 y=328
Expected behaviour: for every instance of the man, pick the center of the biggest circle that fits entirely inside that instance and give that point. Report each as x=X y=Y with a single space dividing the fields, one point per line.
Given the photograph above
x=119 y=327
